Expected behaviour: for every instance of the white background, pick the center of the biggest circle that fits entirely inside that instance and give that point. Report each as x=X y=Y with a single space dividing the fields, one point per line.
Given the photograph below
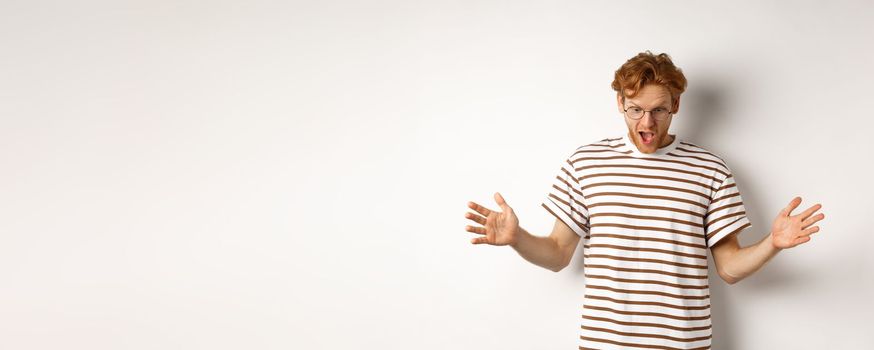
x=293 y=175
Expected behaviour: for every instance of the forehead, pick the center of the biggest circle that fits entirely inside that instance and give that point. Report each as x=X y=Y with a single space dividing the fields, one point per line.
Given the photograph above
x=651 y=95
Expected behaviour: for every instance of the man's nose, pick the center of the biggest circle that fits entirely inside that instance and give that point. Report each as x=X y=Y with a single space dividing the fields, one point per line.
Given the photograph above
x=647 y=119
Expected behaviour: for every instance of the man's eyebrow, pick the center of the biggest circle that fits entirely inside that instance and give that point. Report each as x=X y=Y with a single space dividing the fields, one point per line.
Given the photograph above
x=662 y=104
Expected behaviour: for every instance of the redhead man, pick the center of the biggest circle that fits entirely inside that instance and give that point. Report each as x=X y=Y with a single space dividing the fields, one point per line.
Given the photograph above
x=647 y=205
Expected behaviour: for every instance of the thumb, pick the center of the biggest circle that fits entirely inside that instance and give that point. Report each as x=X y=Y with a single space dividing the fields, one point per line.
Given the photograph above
x=501 y=202
x=794 y=203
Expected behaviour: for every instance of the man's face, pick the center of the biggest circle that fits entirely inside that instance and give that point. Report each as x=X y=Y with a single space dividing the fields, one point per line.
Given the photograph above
x=648 y=133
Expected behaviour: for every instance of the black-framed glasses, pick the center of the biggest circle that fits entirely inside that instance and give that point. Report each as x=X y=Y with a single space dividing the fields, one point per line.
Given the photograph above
x=659 y=113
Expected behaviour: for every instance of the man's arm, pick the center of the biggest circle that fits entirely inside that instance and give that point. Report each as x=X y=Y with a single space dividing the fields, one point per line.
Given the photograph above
x=502 y=228
x=553 y=252
x=734 y=263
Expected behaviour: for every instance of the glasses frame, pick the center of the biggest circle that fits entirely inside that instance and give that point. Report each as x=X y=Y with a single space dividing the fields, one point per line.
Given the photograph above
x=625 y=111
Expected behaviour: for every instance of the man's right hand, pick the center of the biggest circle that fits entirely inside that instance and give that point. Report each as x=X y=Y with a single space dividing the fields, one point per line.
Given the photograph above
x=498 y=227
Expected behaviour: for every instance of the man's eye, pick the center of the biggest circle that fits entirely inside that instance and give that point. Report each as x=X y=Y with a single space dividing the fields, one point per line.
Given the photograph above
x=636 y=109
x=660 y=110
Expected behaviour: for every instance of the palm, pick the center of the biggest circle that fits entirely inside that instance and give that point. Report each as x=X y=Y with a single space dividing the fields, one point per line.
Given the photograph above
x=791 y=230
x=498 y=227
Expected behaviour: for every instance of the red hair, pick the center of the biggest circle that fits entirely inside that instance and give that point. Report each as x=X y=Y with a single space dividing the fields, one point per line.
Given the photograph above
x=647 y=68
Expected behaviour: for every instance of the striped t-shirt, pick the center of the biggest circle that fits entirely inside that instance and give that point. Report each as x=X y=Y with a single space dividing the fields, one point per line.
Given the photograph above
x=647 y=221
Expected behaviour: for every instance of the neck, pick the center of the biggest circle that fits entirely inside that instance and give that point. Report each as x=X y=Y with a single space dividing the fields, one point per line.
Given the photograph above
x=667 y=141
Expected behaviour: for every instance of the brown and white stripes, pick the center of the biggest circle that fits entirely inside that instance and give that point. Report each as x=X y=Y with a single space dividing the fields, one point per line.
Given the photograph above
x=647 y=221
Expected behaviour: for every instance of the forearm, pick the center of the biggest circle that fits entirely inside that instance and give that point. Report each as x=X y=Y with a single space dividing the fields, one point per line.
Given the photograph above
x=748 y=260
x=540 y=251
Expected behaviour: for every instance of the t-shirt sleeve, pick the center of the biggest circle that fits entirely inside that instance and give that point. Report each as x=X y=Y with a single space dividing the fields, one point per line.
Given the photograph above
x=565 y=200
x=726 y=214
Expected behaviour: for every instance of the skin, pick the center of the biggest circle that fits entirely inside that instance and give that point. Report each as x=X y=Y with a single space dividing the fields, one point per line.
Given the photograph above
x=649 y=97
x=554 y=252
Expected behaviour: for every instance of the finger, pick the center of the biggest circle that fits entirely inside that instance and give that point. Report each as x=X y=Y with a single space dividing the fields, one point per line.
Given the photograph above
x=501 y=202
x=807 y=213
x=480 y=230
x=809 y=231
x=812 y=220
x=479 y=240
x=792 y=205
x=476 y=218
x=800 y=240
x=479 y=209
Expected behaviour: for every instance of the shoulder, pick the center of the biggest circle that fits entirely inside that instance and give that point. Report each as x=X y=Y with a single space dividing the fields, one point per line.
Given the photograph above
x=700 y=154
x=602 y=145
x=601 y=149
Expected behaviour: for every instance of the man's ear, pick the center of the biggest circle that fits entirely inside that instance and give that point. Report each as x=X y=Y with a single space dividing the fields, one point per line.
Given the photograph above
x=676 y=107
x=620 y=102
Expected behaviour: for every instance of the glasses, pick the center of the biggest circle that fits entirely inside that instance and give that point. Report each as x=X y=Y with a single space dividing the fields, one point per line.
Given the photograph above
x=659 y=113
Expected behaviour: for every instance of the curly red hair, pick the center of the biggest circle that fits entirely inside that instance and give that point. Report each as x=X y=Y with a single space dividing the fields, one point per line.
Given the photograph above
x=647 y=68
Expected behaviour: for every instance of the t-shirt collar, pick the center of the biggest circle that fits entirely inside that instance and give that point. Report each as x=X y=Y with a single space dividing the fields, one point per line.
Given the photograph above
x=629 y=145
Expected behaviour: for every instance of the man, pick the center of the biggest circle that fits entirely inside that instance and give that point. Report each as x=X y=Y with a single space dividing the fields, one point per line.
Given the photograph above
x=647 y=205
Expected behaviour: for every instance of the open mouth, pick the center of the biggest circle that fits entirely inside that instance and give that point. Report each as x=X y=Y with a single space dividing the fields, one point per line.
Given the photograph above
x=646 y=137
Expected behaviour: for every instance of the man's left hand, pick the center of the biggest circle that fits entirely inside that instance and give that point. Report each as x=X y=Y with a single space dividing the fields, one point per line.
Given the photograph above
x=791 y=230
